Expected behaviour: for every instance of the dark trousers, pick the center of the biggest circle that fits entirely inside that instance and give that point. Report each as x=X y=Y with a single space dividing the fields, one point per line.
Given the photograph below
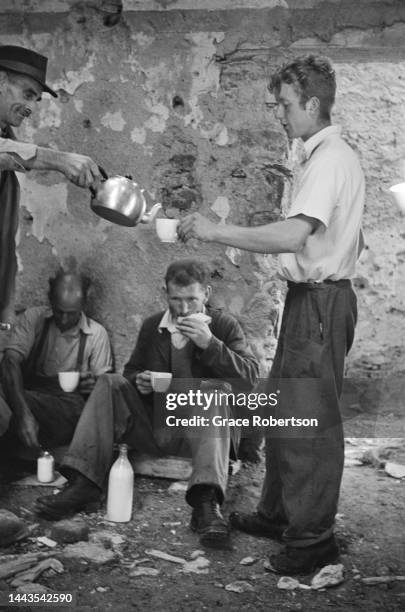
x=116 y=412
x=55 y=411
x=304 y=466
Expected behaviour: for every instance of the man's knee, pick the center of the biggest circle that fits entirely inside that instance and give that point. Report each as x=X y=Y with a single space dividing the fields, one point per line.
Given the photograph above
x=113 y=381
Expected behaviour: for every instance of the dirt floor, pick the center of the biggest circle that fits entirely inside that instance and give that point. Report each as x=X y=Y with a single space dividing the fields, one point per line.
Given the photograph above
x=370 y=529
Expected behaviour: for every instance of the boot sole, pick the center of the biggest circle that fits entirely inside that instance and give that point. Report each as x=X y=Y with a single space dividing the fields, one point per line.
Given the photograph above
x=211 y=537
x=328 y=559
x=215 y=540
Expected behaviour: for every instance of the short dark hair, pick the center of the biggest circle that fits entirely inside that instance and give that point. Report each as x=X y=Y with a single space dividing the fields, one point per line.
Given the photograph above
x=311 y=76
x=83 y=281
x=184 y=272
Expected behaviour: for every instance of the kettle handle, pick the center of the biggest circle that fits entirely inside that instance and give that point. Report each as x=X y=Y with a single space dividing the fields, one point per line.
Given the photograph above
x=105 y=177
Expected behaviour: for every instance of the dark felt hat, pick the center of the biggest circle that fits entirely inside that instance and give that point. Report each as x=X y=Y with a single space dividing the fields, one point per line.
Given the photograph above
x=25 y=61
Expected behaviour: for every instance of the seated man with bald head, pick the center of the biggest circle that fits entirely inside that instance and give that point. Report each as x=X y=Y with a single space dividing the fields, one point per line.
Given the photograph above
x=46 y=341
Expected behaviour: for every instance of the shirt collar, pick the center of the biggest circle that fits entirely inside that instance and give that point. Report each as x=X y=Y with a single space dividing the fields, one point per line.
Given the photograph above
x=83 y=324
x=166 y=322
x=315 y=140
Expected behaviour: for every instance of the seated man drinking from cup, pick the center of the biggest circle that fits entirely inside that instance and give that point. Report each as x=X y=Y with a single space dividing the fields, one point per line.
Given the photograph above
x=46 y=342
x=200 y=348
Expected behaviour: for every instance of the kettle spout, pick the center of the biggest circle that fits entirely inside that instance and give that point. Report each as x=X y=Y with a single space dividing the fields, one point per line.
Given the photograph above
x=149 y=216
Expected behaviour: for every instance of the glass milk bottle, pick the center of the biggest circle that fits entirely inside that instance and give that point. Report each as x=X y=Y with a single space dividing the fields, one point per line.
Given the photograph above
x=45 y=468
x=120 y=488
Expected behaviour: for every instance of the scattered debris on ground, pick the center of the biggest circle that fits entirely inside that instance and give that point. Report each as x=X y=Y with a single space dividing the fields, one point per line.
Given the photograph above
x=111 y=566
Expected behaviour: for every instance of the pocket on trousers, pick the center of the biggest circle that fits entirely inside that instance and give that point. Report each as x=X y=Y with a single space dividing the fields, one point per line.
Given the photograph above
x=301 y=357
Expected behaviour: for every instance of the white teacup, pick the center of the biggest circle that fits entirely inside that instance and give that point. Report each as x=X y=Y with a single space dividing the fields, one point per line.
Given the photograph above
x=398 y=191
x=68 y=380
x=160 y=381
x=166 y=229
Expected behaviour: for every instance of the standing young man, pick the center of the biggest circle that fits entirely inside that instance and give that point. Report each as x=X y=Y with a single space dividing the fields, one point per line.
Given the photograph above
x=318 y=245
x=22 y=82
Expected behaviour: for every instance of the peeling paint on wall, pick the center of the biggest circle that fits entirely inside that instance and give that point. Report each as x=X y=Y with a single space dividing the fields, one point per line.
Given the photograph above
x=204 y=73
x=44 y=202
x=114 y=121
x=51 y=115
x=157 y=123
x=138 y=135
x=78 y=105
x=221 y=207
x=175 y=96
x=73 y=79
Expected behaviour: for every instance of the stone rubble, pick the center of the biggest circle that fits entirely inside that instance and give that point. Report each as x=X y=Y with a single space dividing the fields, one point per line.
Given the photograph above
x=247 y=561
x=45 y=541
x=88 y=551
x=330 y=575
x=144 y=571
x=395 y=470
x=33 y=573
x=70 y=531
x=197 y=566
x=239 y=586
x=33 y=587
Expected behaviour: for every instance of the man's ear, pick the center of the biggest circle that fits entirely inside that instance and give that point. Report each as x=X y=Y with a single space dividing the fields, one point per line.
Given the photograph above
x=312 y=105
x=3 y=76
x=208 y=293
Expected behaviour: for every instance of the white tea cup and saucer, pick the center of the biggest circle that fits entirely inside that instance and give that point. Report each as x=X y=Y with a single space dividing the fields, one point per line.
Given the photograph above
x=160 y=381
x=68 y=380
x=398 y=193
x=166 y=229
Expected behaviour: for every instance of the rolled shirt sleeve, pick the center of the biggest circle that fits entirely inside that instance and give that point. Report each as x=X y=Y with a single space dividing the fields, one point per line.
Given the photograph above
x=11 y=150
x=319 y=191
x=24 y=333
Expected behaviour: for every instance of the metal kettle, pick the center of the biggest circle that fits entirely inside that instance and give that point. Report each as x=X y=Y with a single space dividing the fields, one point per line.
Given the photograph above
x=120 y=200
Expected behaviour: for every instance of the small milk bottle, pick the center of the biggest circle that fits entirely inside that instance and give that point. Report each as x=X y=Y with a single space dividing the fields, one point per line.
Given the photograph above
x=120 y=488
x=45 y=468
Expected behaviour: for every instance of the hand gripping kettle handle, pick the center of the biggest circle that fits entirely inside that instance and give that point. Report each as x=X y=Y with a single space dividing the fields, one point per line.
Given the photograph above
x=105 y=177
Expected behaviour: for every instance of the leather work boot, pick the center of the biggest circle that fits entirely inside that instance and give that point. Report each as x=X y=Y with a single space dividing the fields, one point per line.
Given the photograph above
x=256 y=524
x=293 y=560
x=79 y=494
x=207 y=520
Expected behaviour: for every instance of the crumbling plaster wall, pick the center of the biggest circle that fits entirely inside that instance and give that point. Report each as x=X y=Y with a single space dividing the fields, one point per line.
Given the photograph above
x=175 y=96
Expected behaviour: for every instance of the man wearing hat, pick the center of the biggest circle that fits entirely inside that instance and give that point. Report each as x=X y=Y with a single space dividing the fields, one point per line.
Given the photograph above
x=22 y=82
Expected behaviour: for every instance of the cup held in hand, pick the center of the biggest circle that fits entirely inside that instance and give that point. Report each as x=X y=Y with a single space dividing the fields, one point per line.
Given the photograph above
x=166 y=229
x=68 y=380
x=160 y=381
x=398 y=192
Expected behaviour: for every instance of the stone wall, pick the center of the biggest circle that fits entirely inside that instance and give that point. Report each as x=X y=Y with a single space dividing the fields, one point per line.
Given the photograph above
x=175 y=96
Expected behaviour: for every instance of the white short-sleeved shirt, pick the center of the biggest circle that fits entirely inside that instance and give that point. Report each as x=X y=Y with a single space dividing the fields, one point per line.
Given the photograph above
x=61 y=348
x=330 y=189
